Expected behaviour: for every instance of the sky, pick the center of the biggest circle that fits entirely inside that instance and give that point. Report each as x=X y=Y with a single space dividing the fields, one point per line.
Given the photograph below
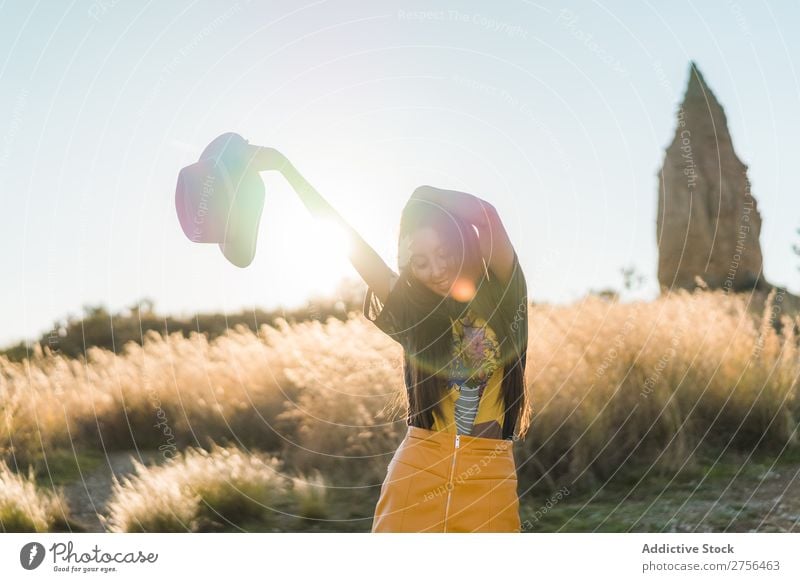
x=558 y=113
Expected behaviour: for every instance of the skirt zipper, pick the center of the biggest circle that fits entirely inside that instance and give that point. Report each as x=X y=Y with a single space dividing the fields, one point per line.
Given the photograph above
x=450 y=482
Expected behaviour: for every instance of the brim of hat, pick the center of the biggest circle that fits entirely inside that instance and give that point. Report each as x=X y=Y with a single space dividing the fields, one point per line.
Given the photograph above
x=201 y=196
x=232 y=225
x=241 y=233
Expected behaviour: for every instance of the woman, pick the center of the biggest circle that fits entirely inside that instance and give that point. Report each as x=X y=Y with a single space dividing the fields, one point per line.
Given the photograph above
x=459 y=309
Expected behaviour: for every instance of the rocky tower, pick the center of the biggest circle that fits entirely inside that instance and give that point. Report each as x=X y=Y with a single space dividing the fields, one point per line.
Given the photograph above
x=708 y=223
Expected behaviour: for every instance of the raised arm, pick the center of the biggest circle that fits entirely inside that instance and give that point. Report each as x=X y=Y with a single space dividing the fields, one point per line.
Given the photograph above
x=372 y=268
x=496 y=247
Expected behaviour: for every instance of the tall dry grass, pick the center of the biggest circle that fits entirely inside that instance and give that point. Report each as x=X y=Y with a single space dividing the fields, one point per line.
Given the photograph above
x=198 y=490
x=168 y=394
x=25 y=507
x=611 y=384
x=651 y=384
x=314 y=392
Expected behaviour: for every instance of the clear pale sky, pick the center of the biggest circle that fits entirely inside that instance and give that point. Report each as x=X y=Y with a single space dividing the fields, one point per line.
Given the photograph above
x=556 y=112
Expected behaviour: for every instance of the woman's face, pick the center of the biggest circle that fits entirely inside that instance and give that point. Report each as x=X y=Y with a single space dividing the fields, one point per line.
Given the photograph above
x=431 y=260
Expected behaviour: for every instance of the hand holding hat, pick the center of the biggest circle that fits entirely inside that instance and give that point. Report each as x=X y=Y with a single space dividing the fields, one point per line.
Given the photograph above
x=220 y=198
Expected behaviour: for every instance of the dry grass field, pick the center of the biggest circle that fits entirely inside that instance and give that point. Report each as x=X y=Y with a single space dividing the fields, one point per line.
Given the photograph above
x=292 y=428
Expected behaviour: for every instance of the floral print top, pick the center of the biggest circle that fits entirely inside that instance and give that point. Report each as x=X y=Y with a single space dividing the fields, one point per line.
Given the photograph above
x=476 y=351
x=476 y=360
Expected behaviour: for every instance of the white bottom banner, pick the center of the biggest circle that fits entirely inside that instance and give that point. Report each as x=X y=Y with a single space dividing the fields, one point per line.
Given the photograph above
x=367 y=556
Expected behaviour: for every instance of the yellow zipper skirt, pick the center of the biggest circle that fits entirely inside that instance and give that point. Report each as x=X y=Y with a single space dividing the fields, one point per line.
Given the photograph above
x=442 y=482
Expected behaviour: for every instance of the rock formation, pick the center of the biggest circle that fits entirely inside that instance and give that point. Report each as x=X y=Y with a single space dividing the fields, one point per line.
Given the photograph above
x=708 y=223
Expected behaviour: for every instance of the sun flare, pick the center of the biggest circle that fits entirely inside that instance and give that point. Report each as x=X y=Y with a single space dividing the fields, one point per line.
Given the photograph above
x=324 y=249
x=463 y=290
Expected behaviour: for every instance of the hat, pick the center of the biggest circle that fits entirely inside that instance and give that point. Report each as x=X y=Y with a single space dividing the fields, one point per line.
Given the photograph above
x=220 y=198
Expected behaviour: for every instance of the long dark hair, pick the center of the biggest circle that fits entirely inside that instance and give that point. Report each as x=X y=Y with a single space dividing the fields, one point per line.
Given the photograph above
x=428 y=353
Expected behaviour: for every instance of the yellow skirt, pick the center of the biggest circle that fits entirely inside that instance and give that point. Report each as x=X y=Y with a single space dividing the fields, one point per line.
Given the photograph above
x=442 y=482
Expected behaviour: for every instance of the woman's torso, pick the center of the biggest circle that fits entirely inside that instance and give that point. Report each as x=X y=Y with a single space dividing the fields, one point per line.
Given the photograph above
x=473 y=403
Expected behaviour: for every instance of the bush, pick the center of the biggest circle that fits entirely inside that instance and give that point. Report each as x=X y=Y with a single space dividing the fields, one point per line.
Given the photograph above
x=26 y=508
x=199 y=491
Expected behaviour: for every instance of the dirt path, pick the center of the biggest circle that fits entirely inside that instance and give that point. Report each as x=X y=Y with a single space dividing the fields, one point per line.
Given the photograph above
x=757 y=500
x=770 y=504
x=738 y=496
